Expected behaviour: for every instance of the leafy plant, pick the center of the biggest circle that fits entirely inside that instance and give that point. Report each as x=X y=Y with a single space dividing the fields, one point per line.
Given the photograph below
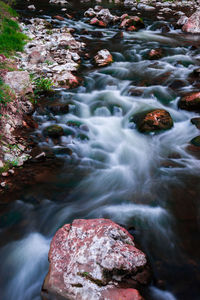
x=42 y=85
x=48 y=62
x=6 y=95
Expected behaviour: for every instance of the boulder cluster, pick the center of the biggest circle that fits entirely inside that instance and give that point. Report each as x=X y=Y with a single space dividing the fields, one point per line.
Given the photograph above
x=102 y=17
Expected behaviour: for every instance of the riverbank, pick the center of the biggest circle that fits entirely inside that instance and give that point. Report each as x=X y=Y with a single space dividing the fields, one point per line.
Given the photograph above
x=15 y=94
x=49 y=57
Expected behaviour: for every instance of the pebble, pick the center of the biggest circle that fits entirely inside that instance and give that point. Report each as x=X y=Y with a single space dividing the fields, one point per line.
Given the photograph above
x=5 y=174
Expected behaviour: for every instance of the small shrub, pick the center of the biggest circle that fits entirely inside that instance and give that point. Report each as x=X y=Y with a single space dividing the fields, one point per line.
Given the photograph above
x=6 y=94
x=42 y=85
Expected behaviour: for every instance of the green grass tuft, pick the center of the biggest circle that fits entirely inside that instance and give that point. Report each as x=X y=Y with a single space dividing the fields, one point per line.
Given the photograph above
x=11 y=39
x=6 y=94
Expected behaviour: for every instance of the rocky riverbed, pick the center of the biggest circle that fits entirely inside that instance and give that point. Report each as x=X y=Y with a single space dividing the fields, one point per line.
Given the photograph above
x=117 y=138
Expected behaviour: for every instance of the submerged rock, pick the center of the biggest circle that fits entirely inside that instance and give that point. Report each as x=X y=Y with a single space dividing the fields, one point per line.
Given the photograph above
x=190 y=102
x=192 y=24
x=103 y=58
x=128 y=22
x=155 y=53
x=196 y=122
x=196 y=141
x=59 y=108
x=94 y=259
x=53 y=131
x=155 y=120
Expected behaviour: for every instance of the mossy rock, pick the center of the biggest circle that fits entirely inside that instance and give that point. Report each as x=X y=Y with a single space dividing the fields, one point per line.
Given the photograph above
x=74 y=123
x=196 y=141
x=190 y=102
x=69 y=132
x=82 y=137
x=53 y=131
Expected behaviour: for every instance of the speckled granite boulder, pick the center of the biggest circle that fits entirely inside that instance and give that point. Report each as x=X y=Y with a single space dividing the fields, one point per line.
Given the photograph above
x=94 y=259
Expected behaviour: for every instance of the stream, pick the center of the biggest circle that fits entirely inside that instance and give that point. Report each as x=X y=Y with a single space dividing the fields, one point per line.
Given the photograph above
x=149 y=183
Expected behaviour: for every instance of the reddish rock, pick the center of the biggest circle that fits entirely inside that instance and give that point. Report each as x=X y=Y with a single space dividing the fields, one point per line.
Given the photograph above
x=69 y=16
x=192 y=24
x=94 y=259
x=123 y=294
x=2 y=58
x=129 y=21
x=155 y=120
x=190 y=102
x=124 y=16
x=155 y=53
x=59 y=18
x=101 y=17
x=67 y=79
x=103 y=58
x=97 y=22
x=131 y=28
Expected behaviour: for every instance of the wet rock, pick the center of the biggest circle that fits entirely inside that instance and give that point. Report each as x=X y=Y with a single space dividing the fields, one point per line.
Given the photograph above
x=53 y=131
x=97 y=22
x=59 y=108
x=19 y=81
x=94 y=259
x=90 y=13
x=129 y=21
x=195 y=73
x=31 y=7
x=196 y=122
x=103 y=58
x=196 y=141
x=190 y=102
x=67 y=79
x=182 y=21
x=155 y=53
x=59 y=18
x=118 y=35
x=74 y=123
x=82 y=137
x=192 y=24
x=155 y=120
x=61 y=2
x=100 y=16
x=63 y=151
x=177 y=84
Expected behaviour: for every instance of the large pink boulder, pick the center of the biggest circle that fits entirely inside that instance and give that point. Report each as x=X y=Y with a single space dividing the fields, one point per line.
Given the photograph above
x=19 y=82
x=94 y=259
x=192 y=24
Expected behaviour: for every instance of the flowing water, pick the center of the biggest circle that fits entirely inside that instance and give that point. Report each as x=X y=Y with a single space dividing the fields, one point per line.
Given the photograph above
x=148 y=183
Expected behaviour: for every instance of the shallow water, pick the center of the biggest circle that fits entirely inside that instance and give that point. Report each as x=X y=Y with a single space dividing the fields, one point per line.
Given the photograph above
x=148 y=183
